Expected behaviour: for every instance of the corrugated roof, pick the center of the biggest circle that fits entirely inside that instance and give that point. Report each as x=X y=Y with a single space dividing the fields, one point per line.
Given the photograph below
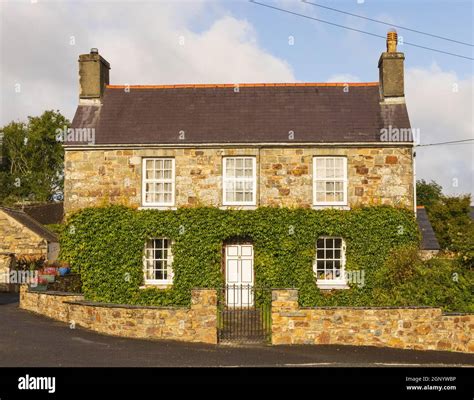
x=30 y=223
x=256 y=113
x=428 y=237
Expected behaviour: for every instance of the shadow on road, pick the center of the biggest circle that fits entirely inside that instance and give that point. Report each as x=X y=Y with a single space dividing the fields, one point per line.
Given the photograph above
x=9 y=298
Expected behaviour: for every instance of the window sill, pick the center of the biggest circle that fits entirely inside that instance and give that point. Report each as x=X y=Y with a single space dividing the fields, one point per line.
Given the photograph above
x=161 y=286
x=158 y=208
x=330 y=206
x=333 y=284
x=239 y=207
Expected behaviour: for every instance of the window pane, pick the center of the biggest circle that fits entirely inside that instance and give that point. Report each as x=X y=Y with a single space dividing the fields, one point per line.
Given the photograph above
x=320 y=243
x=338 y=243
x=249 y=163
x=157 y=259
x=320 y=197
x=239 y=163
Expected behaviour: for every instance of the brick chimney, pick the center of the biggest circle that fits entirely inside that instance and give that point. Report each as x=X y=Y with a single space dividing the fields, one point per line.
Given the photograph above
x=93 y=77
x=391 y=71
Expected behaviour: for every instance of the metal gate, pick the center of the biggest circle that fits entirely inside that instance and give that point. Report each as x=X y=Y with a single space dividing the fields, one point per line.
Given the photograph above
x=244 y=314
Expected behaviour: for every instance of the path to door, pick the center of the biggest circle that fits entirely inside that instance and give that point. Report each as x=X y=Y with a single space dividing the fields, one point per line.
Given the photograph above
x=29 y=340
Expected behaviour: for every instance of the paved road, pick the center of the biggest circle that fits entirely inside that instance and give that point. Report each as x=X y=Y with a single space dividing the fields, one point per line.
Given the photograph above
x=30 y=340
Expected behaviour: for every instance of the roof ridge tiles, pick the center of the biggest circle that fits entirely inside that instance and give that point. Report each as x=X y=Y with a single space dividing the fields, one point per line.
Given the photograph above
x=233 y=85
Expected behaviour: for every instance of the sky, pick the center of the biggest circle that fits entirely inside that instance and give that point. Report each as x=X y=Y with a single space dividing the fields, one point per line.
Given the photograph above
x=166 y=42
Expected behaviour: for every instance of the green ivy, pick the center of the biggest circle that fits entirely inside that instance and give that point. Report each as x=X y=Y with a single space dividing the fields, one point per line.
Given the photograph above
x=106 y=246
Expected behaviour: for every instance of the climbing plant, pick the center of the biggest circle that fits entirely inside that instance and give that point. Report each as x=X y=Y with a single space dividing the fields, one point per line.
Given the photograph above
x=106 y=246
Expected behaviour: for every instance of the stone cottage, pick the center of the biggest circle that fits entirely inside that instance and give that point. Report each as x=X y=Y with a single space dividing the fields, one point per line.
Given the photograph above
x=21 y=235
x=241 y=146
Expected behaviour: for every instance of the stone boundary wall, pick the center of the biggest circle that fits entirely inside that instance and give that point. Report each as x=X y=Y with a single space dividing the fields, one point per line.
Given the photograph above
x=195 y=324
x=420 y=328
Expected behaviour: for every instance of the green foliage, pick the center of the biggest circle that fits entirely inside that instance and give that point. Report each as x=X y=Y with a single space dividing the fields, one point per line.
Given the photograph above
x=454 y=227
x=450 y=218
x=30 y=263
x=33 y=159
x=406 y=280
x=427 y=193
x=106 y=246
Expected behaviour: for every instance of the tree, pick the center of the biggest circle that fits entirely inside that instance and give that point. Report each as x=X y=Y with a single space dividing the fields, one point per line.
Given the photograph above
x=454 y=228
x=427 y=193
x=33 y=159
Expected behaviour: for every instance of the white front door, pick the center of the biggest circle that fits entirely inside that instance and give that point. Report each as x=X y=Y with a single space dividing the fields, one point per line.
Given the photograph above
x=239 y=275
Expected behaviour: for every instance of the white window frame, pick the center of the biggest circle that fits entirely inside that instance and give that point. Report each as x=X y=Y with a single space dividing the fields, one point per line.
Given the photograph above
x=343 y=180
x=252 y=179
x=163 y=180
x=339 y=283
x=169 y=260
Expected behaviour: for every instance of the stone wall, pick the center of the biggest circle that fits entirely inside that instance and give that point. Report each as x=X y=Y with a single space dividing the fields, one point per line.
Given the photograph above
x=284 y=175
x=6 y=261
x=195 y=324
x=16 y=238
x=420 y=328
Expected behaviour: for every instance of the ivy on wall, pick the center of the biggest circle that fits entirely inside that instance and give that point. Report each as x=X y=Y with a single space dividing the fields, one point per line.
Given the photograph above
x=106 y=246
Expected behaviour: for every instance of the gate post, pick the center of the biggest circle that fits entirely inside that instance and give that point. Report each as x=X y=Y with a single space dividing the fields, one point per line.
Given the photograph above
x=284 y=301
x=204 y=314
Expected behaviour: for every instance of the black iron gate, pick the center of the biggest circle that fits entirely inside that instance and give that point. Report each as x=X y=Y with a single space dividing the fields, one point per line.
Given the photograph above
x=244 y=314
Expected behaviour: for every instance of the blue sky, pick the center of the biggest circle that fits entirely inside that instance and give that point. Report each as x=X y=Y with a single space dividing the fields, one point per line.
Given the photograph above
x=321 y=50
x=163 y=42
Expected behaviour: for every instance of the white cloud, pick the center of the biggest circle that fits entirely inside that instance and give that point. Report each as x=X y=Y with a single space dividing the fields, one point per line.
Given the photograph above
x=440 y=104
x=144 y=45
x=343 y=78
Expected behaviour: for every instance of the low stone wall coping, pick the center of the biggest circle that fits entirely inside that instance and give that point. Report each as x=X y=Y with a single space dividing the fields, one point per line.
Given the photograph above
x=370 y=308
x=54 y=293
x=128 y=306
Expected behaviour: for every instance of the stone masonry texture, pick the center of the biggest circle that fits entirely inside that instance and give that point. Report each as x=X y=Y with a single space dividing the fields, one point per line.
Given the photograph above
x=195 y=324
x=406 y=328
x=16 y=238
x=381 y=175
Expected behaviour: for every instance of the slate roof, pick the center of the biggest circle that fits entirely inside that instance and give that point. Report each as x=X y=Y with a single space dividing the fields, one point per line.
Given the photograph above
x=257 y=113
x=428 y=237
x=50 y=213
x=30 y=223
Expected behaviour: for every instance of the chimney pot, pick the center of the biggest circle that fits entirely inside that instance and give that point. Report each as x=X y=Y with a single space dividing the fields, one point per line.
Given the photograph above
x=94 y=50
x=392 y=39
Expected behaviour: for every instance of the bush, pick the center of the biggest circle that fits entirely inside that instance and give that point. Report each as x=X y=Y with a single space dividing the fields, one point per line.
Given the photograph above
x=406 y=280
x=30 y=263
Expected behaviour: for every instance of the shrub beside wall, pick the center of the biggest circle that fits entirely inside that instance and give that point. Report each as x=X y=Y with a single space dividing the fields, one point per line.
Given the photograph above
x=106 y=246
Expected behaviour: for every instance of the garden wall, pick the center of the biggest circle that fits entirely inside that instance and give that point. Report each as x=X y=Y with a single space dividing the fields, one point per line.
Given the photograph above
x=421 y=328
x=195 y=324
